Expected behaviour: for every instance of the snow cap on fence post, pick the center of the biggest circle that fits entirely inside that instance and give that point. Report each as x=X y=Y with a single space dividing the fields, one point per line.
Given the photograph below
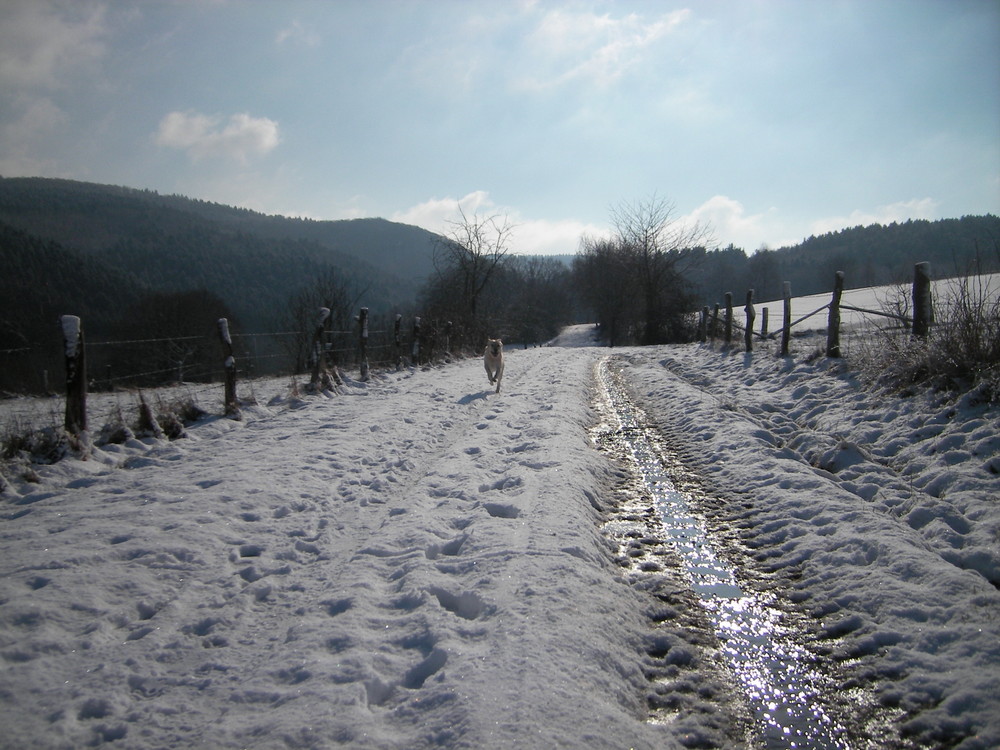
x=231 y=405
x=76 y=375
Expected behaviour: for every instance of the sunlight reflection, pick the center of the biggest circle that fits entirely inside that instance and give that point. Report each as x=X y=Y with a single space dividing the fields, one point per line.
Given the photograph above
x=777 y=675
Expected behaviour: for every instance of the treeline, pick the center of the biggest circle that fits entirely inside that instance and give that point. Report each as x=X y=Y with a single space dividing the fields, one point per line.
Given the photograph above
x=254 y=262
x=129 y=261
x=875 y=255
x=642 y=282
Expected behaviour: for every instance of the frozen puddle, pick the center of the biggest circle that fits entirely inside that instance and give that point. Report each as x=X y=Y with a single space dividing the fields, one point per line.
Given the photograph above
x=775 y=674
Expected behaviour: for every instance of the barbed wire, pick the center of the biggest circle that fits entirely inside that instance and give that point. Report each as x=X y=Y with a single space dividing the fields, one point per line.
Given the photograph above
x=276 y=333
x=143 y=341
x=343 y=345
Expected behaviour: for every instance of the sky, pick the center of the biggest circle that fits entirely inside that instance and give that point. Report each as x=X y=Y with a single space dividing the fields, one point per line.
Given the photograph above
x=764 y=121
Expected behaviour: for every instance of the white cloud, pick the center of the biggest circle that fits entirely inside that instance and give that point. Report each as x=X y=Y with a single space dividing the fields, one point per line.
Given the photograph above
x=438 y=214
x=560 y=237
x=23 y=140
x=530 y=236
x=241 y=138
x=39 y=117
x=918 y=208
x=42 y=42
x=298 y=33
x=598 y=49
x=728 y=222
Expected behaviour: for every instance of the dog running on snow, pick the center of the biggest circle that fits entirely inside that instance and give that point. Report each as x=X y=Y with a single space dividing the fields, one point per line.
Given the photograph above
x=493 y=360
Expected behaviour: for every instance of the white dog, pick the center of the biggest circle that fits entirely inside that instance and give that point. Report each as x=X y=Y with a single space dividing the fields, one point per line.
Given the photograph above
x=493 y=359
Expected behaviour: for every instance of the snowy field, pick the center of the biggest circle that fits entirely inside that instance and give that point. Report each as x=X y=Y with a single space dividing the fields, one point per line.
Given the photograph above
x=417 y=562
x=878 y=299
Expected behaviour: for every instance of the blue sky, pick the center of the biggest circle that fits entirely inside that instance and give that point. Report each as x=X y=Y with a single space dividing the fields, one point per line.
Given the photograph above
x=768 y=121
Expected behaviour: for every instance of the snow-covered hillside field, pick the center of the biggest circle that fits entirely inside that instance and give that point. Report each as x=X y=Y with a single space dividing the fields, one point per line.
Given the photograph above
x=879 y=298
x=417 y=562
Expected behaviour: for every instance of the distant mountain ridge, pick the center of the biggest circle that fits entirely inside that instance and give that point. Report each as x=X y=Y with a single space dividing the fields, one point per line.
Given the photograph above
x=253 y=261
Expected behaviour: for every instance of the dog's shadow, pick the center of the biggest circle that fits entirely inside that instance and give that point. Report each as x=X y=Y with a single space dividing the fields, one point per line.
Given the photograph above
x=466 y=400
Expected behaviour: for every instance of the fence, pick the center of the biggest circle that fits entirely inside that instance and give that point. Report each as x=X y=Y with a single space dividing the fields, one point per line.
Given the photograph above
x=328 y=352
x=919 y=323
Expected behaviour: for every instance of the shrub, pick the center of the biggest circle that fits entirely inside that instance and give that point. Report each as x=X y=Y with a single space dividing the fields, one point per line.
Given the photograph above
x=962 y=351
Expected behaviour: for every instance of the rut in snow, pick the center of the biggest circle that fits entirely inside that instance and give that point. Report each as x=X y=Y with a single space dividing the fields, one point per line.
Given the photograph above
x=774 y=674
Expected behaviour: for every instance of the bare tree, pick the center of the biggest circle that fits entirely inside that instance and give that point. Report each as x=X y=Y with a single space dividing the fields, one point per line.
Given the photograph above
x=657 y=246
x=466 y=260
x=635 y=279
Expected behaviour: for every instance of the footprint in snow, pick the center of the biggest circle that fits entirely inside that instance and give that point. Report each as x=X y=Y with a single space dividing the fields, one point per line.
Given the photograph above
x=468 y=605
x=505 y=483
x=502 y=510
x=450 y=548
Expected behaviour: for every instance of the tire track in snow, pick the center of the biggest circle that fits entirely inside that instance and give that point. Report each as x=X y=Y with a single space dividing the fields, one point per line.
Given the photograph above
x=874 y=473
x=775 y=675
x=882 y=611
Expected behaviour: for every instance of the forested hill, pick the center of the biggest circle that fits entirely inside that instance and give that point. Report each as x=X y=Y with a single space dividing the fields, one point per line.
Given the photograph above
x=253 y=261
x=869 y=256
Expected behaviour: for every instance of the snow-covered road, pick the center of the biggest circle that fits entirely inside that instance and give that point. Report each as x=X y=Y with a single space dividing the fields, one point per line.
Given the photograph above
x=413 y=563
x=418 y=562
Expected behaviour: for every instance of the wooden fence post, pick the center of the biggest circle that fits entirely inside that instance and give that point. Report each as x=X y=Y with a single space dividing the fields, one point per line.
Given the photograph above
x=922 y=309
x=416 y=342
x=729 y=319
x=320 y=377
x=786 y=332
x=833 y=322
x=703 y=325
x=447 y=338
x=763 y=322
x=232 y=407
x=363 y=341
x=397 y=339
x=751 y=317
x=76 y=375
x=714 y=329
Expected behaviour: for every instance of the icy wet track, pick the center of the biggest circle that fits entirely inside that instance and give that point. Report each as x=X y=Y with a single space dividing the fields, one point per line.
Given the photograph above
x=773 y=672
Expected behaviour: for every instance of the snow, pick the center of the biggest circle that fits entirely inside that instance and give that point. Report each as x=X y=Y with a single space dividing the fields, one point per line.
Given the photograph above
x=71 y=333
x=224 y=332
x=415 y=562
x=871 y=298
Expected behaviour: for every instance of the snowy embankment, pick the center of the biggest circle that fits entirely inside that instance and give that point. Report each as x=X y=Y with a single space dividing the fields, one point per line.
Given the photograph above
x=877 y=515
x=418 y=562
x=880 y=298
